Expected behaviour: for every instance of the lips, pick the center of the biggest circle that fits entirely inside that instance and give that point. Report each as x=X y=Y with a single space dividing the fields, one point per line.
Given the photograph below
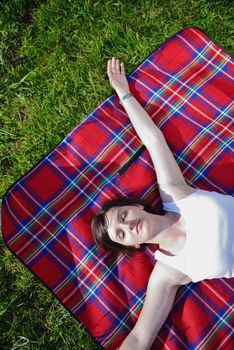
x=138 y=226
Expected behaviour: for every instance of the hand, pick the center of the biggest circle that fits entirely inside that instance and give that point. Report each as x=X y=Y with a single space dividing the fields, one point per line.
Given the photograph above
x=117 y=77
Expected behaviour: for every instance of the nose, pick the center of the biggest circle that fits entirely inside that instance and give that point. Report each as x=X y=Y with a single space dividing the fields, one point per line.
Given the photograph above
x=127 y=225
x=132 y=224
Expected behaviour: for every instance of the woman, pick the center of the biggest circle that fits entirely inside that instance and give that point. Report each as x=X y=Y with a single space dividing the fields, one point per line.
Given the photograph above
x=195 y=235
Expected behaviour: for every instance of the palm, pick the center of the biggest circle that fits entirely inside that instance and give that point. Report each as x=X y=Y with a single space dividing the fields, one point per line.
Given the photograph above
x=116 y=74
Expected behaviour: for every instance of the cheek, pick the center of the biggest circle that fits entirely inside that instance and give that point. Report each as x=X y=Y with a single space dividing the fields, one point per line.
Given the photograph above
x=145 y=229
x=144 y=224
x=130 y=240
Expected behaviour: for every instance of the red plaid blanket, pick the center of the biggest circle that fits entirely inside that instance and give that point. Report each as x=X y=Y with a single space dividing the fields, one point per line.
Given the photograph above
x=187 y=88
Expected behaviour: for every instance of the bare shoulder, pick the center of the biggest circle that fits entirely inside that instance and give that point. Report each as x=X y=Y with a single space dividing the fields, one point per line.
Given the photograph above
x=172 y=193
x=168 y=275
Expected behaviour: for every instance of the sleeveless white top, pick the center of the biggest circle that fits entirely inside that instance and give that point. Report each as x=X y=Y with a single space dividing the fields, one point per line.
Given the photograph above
x=209 y=247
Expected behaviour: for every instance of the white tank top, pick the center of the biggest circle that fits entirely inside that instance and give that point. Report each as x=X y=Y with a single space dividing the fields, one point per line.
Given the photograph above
x=209 y=247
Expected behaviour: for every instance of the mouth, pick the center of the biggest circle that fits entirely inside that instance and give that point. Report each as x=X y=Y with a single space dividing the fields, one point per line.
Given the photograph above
x=138 y=226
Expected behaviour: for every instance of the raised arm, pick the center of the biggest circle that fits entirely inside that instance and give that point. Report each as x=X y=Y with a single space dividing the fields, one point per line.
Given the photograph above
x=172 y=185
x=162 y=287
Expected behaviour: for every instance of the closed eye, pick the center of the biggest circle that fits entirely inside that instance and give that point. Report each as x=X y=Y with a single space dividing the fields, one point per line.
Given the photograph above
x=123 y=215
x=121 y=234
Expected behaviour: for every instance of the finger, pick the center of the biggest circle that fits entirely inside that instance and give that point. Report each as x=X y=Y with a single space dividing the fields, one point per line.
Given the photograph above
x=113 y=64
x=110 y=71
x=109 y=67
x=117 y=66
x=122 y=68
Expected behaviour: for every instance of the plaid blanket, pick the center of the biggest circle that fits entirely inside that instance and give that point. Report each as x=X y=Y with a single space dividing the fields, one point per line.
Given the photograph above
x=186 y=86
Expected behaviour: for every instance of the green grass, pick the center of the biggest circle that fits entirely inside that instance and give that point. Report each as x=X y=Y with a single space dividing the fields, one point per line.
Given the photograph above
x=53 y=61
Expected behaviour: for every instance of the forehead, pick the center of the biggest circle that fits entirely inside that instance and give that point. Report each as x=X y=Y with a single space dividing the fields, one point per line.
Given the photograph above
x=112 y=215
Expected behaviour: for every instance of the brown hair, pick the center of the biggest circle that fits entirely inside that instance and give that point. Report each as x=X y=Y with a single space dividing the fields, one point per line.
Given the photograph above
x=99 y=225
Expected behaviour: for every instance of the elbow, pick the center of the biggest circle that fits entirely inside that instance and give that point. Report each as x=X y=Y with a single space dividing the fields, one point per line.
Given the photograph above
x=154 y=140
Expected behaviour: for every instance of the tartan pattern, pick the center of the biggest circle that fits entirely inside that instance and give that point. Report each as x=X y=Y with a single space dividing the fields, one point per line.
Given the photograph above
x=186 y=86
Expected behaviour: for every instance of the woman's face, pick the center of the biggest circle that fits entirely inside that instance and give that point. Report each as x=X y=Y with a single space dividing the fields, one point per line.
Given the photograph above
x=129 y=225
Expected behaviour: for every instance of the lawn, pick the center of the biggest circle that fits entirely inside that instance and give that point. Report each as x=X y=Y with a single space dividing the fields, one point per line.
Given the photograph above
x=53 y=61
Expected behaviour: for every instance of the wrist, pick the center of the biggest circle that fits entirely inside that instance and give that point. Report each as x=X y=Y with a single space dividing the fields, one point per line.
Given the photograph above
x=122 y=92
x=125 y=97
